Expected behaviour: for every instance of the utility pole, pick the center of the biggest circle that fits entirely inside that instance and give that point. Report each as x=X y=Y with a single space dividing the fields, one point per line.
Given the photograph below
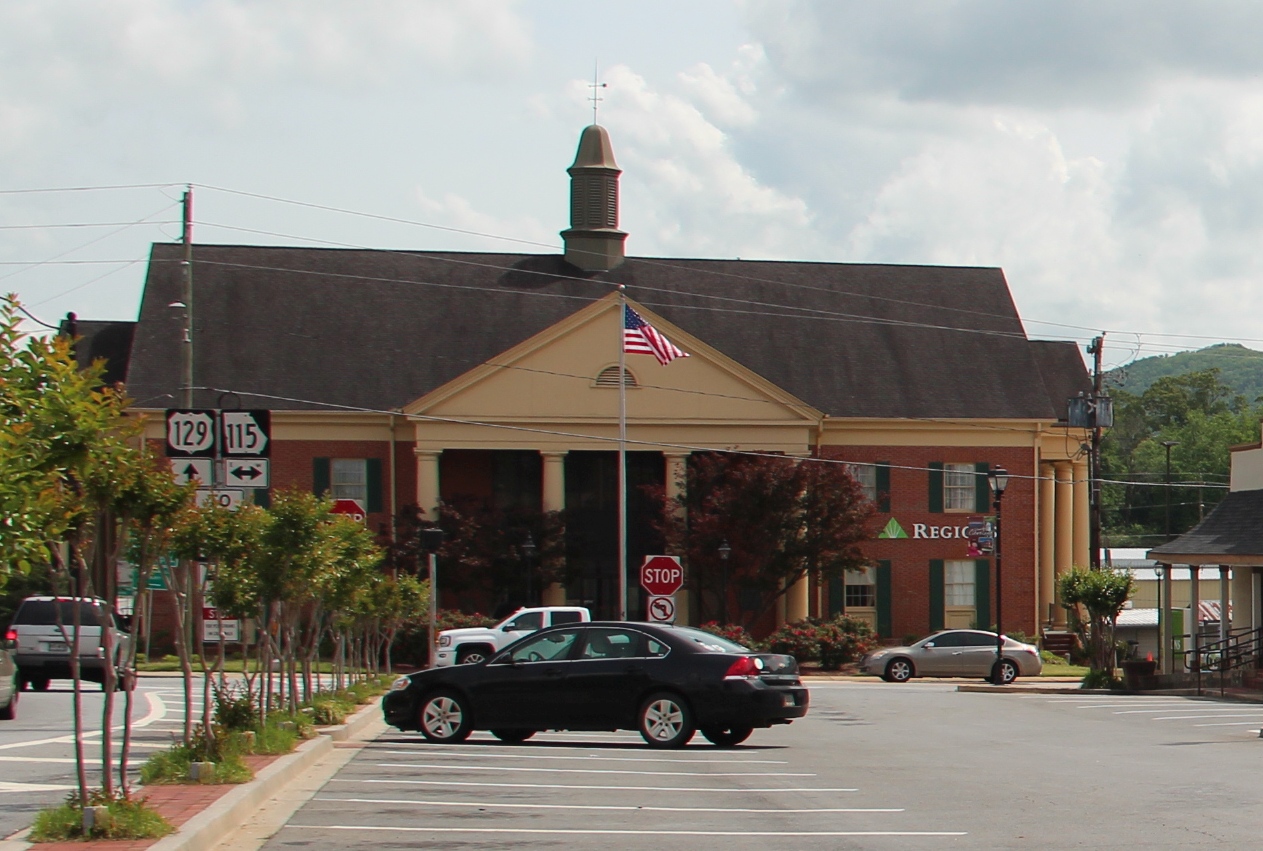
x=1094 y=465
x=187 y=267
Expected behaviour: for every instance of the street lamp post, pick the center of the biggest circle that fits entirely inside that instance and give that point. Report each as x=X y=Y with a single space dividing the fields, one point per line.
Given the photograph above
x=724 y=552
x=431 y=539
x=528 y=554
x=998 y=477
x=1168 y=444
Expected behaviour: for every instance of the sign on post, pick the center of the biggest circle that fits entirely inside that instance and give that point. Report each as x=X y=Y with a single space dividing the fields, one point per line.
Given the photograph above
x=191 y=432
x=351 y=508
x=214 y=629
x=196 y=470
x=661 y=576
x=230 y=499
x=247 y=473
x=246 y=434
x=662 y=609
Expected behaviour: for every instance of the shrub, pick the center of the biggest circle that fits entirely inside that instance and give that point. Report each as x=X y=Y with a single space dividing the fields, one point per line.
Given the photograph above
x=731 y=631
x=833 y=643
x=129 y=819
x=235 y=708
x=1101 y=679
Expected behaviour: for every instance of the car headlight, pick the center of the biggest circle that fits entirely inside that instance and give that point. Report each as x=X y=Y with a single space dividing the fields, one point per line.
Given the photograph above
x=400 y=684
x=444 y=640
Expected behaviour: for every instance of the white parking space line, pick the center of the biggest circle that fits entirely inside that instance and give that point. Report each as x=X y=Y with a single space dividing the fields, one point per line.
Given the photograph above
x=1232 y=724
x=1254 y=715
x=1150 y=706
x=1168 y=709
x=6 y=786
x=58 y=759
x=609 y=832
x=625 y=807
x=468 y=754
x=450 y=767
x=586 y=787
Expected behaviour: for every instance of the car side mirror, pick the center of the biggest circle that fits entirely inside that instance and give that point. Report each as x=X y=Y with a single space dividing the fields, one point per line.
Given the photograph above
x=508 y=627
x=928 y=646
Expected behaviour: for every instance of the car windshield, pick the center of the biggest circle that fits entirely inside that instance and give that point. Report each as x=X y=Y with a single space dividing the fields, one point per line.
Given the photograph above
x=709 y=641
x=44 y=613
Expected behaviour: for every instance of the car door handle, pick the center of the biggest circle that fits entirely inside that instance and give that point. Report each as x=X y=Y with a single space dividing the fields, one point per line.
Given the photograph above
x=959 y=653
x=634 y=669
x=552 y=672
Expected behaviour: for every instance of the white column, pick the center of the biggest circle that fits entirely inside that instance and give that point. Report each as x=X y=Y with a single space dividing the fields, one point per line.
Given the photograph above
x=1164 y=617
x=1063 y=548
x=676 y=487
x=1194 y=607
x=1047 y=604
x=428 y=483
x=554 y=499
x=1082 y=516
x=1225 y=599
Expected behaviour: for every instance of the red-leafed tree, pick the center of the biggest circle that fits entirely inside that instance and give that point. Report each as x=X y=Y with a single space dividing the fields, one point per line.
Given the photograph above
x=782 y=518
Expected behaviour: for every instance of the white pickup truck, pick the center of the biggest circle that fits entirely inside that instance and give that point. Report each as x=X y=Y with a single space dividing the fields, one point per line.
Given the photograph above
x=467 y=646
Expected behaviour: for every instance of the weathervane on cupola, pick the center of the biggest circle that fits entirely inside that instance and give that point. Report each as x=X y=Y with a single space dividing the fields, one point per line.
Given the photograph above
x=593 y=241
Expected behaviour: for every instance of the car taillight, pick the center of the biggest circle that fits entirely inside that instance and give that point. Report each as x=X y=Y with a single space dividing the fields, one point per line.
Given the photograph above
x=11 y=635
x=746 y=666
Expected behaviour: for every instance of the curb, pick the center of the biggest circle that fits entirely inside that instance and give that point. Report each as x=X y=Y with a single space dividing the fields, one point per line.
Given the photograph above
x=213 y=825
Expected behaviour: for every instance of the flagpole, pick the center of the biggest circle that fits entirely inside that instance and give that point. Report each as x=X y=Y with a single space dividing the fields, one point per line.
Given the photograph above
x=622 y=453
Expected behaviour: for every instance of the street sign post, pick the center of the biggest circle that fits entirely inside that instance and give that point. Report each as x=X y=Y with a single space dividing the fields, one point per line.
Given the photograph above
x=224 y=498
x=661 y=576
x=246 y=434
x=662 y=609
x=188 y=470
x=351 y=508
x=247 y=473
x=191 y=433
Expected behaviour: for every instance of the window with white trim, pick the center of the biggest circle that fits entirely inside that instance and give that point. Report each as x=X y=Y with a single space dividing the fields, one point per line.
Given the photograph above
x=866 y=475
x=958 y=583
x=959 y=487
x=349 y=479
x=861 y=588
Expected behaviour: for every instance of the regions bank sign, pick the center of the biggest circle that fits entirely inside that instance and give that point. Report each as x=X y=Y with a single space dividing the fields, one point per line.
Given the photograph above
x=978 y=532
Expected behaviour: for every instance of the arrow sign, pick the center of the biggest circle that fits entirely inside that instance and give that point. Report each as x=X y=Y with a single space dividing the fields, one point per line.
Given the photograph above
x=188 y=470
x=247 y=474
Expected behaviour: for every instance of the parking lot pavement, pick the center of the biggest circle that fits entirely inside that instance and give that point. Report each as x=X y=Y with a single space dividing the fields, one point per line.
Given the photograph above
x=1231 y=718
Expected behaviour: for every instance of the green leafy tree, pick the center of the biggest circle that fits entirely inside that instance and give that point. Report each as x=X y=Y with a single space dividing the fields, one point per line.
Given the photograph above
x=1094 y=598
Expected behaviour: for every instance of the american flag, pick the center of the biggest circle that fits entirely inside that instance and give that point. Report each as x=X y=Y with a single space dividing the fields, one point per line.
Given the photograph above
x=641 y=338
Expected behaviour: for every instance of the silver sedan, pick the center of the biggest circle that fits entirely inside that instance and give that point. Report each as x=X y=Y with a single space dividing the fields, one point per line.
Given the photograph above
x=954 y=653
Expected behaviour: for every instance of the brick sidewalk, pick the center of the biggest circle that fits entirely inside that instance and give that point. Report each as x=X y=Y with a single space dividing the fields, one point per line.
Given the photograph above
x=176 y=803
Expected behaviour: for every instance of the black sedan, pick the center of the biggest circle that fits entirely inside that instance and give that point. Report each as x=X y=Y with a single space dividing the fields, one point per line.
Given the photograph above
x=665 y=681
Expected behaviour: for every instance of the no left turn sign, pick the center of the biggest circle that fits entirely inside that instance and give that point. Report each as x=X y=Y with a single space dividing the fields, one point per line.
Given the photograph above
x=662 y=609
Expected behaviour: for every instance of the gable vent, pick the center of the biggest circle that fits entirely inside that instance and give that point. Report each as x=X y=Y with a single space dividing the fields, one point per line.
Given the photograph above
x=609 y=378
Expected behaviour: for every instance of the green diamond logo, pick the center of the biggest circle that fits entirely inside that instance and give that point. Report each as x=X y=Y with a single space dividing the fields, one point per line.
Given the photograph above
x=893 y=530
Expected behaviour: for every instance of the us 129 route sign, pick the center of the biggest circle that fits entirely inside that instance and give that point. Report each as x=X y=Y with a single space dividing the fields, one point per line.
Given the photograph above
x=191 y=433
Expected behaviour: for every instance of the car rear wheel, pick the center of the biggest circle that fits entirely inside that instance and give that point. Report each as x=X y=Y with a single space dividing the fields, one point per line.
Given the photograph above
x=898 y=671
x=445 y=718
x=40 y=683
x=471 y=656
x=513 y=737
x=665 y=721
x=11 y=711
x=726 y=737
x=1008 y=672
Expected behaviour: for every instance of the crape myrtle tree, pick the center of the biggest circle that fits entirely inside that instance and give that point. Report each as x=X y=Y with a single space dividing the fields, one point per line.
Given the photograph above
x=1094 y=599
x=783 y=518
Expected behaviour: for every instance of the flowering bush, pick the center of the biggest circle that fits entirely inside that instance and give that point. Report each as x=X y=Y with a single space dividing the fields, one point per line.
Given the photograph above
x=832 y=643
x=731 y=631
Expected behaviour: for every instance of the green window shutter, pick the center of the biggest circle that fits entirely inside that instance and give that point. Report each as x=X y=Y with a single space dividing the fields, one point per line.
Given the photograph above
x=883 y=487
x=837 y=590
x=320 y=476
x=936 y=487
x=884 y=623
x=982 y=487
x=263 y=498
x=982 y=593
x=937 y=591
x=373 y=484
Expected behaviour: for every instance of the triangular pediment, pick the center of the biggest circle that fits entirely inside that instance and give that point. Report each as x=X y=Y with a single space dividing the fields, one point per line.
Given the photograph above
x=555 y=377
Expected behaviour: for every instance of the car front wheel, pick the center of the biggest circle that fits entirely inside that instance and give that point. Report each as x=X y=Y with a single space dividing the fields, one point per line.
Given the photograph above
x=665 y=721
x=445 y=718
x=726 y=737
x=898 y=671
x=471 y=656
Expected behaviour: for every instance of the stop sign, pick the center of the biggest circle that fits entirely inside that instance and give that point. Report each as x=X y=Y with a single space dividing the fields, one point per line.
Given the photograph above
x=661 y=576
x=351 y=508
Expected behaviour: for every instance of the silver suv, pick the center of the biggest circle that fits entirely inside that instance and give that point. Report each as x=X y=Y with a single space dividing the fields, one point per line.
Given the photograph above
x=44 y=629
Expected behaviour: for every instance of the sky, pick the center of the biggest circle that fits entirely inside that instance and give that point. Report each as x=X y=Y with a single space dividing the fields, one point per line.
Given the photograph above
x=1107 y=156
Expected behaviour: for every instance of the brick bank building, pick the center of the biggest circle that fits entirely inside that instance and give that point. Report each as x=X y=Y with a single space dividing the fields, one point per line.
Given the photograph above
x=410 y=377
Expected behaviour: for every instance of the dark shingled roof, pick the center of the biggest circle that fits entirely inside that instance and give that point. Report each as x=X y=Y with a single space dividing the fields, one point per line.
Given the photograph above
x=1233 y=528
x=378 y=329
x=107 y=341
